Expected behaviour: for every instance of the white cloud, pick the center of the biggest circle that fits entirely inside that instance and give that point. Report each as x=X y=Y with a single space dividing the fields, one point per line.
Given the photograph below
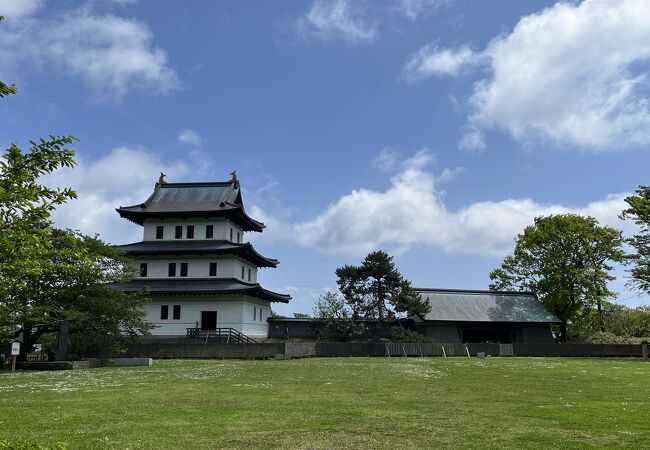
x=411 y=212
x=412 y=9
x=387 y=159
x=336 y=19
x=113 y=55
x=200 y=159
x=574 y=74
x=431 y=60
x=448 y=174
x=472 y=139
x=190 y=137
x=390 y=160
x=14 y=10
x=123 y=177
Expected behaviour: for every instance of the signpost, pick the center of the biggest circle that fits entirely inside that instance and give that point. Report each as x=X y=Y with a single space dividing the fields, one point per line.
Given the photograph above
x=15 y=351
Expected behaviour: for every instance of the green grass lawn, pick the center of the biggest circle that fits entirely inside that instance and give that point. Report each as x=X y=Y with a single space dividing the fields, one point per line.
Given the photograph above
x=335 y=403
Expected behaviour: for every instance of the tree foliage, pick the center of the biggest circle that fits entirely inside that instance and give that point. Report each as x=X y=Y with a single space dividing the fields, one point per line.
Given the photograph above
x=48 y=275
x=401 y=334
x=7 y=89
x=564 y=259
x=78 y=286
x=376 y=289
x=337 y=318
x=621 y=323
x=25 y=208
x=639 y=212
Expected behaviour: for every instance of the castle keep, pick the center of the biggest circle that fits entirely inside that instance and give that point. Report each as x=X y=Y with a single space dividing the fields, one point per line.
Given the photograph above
x=194 y=258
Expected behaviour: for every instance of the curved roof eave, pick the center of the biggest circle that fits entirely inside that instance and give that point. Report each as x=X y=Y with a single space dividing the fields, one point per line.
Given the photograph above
x=138 y=216
x=202 y=286
x=198 y=247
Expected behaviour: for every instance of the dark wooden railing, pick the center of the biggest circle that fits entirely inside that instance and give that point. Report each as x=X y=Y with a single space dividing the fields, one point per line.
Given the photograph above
x=228 y=335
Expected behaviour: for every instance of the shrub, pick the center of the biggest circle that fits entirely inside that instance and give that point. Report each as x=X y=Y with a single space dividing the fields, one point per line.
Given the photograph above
x=600 y=337
x=340 y=330
x=616 y=320
x=399 y=334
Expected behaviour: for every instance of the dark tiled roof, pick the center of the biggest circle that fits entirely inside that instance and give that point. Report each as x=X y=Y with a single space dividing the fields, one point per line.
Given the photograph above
x=218 y=199
x=454 y=305
x=176 y=286
x=198 y=247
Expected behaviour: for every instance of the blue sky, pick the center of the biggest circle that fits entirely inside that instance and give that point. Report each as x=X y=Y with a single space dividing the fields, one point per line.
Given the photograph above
x=433 y=129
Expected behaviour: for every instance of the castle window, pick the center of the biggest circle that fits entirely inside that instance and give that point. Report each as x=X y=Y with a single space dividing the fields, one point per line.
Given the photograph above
x=231 y=232
x=179 y=232
x=242 y=272
x=143 y=269
x=190 y=231
x=177 y=312
x=209 y=231
x=171 y=270
x=260 y=314
x=249 y=274
x=238 y=240
x=164 y=312
x=213 y=269
x=160 y=232
x=254 y=313
x=183 y=269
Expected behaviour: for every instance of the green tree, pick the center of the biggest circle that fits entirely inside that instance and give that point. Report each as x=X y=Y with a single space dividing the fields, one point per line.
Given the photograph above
x=337 y=317
x=565 y=260
x=639 y=212
x=25 y=208
x=48 y=275
x=78 y=287
x=621 y=323
x=624 y=321
x=376 y=289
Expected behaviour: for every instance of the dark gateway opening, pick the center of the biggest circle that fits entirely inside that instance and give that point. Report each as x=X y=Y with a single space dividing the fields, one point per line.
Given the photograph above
x=208 y=320
x=481 y=335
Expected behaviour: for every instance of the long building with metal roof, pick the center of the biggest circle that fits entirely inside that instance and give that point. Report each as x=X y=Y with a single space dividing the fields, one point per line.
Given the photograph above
x=458 y=315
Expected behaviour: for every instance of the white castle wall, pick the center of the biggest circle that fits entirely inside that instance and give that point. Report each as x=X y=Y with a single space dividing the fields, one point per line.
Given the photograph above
x=198 y=267
x=241 y=312
x=221 y=229
x=233 y=311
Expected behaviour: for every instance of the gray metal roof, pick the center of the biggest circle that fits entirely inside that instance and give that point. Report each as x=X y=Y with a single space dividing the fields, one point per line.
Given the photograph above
x=215 y=199
x=198 y=247
x=185 y=286
x=484 y=306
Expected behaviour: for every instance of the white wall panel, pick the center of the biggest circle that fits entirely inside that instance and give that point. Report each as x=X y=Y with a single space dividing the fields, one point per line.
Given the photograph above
x=221 y=229
x=233 y=311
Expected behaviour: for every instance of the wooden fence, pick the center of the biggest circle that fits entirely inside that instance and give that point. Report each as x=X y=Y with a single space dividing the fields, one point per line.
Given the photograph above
x=194 y=349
